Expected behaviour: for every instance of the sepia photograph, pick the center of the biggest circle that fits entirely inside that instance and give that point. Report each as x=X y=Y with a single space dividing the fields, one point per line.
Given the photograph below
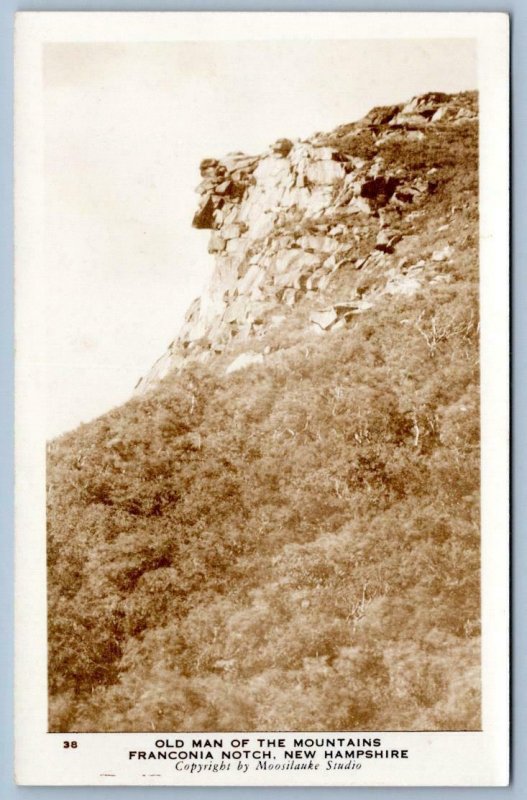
x=279 y=528
x=261 y=389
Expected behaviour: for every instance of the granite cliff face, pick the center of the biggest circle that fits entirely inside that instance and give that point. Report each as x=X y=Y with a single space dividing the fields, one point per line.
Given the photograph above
x=317 y=229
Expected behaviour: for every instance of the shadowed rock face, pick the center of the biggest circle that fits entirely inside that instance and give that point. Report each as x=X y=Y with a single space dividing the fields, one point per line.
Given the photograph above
x=285 y=223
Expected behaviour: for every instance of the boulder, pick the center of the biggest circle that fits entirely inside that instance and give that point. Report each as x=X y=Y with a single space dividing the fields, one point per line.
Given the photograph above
x=325 y=318
x=340 y=324
x=406 y=285
x=313 y=280
x=381 y=115
x=243 y=361
x=323 y=154
x=216 y=243
x=330 y=263
x=442 y=255
x=300 y=279
x=465 y=113
x=239 y=162
x=196 y=331
x=361 y=306
x=325 y=172
x=415 y=136
x=233 y=231
x=282 y=147
x=218 y=218
x=289 y=297
x=358 y=205
x=225 y=277
x=386 y=241
x=252 y=278
x=423 y=101
x=224 y=187
x=383 y=237
x=237 y=247
x=237 y=311
x=290 y=278
x=438 y=279
x=245 y=330
x=318 y=199
x=324 y=282
x=207 y=185
x=439 y=114
x=271 y=169
x=285 y=259
x=230 y=215
x=322 y=244
x=208 y=166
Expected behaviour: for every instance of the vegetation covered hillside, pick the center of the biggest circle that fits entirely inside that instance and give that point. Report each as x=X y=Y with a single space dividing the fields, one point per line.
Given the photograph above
x=283 y=532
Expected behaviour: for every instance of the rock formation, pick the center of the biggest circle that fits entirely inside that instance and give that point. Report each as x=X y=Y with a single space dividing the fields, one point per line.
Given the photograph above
x=284 y=533
x=286 y=224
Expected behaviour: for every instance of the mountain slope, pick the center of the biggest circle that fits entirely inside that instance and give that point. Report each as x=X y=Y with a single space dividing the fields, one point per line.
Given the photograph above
x=281 y=529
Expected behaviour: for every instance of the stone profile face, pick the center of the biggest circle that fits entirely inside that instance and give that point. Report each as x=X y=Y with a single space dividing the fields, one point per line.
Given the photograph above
x=284 y=224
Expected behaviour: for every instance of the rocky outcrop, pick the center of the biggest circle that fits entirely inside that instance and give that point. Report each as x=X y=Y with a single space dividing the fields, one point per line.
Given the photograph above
x=285 y=224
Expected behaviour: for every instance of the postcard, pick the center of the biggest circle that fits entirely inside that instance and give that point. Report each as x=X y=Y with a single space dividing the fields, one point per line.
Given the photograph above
x=262 y=399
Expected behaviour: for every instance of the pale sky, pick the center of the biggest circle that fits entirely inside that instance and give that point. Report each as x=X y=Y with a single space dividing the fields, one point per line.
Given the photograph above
x=126 y=126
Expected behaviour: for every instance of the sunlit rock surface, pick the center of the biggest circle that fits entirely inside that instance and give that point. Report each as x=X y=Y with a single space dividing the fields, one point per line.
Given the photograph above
x=286 y=222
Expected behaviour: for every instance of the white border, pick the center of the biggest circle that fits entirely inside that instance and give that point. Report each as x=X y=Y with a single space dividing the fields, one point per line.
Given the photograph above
x=461 y=759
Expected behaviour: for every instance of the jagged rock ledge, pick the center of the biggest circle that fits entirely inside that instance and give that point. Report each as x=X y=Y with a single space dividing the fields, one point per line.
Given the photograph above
x=285 y=223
